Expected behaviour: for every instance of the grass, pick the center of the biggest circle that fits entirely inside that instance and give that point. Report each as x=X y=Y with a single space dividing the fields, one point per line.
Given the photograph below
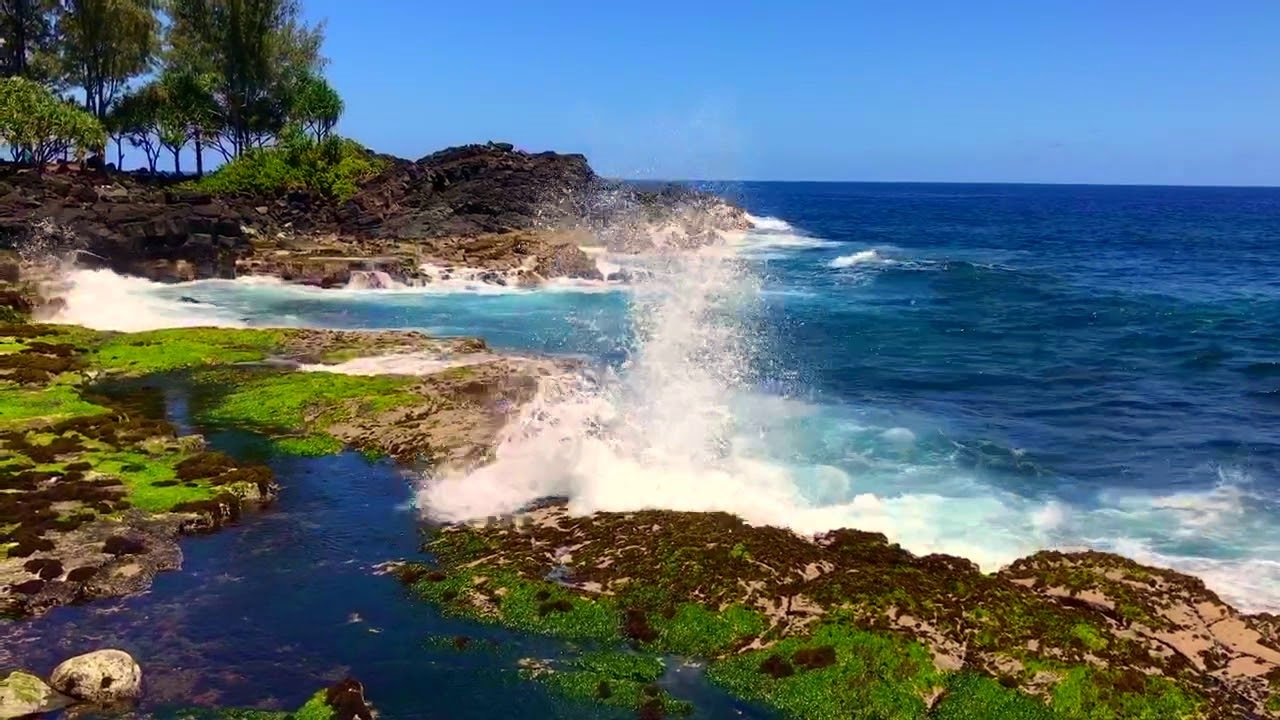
x=178 y=348
x=20 y=406
x=873 y=676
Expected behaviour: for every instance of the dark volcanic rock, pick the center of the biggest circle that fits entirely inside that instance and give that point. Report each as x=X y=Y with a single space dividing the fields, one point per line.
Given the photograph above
x=121 y=223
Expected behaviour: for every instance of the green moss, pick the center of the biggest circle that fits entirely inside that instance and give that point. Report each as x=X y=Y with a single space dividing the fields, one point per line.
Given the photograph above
x=620 y=679
x=976 y=697
x=20 y=406
x=309 y=445
x=875 y=675
x=11 y=346
x=285 y=402
x=1088 y=693
x=698 y=631
x=177 y=348
x=315 y=709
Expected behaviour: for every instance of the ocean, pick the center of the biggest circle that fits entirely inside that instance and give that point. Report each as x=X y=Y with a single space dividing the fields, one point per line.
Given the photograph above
x=982 y=370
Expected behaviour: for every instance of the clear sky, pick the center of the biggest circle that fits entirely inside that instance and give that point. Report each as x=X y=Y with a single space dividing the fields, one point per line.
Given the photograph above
x=1105 y=91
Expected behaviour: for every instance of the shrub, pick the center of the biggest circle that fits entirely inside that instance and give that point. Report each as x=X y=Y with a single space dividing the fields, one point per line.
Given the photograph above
x=332 y=167
x=37 y=126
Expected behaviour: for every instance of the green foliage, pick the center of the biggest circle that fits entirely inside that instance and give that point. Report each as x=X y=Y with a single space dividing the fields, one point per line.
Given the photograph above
x=874 y=676
x=332 y=167
x=104 y=44
x=255 y=49
x=314 y=105
x=38 y=127
x=173 y=349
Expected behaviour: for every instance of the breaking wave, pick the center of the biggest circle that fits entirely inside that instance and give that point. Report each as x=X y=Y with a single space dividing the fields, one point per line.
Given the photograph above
x=683 y=425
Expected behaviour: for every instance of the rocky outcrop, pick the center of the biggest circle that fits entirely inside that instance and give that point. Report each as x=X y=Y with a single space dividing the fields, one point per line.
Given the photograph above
x=102 y=677
x=491 y=204
x=23 y=694
x=1085 y=634
x=117 y=222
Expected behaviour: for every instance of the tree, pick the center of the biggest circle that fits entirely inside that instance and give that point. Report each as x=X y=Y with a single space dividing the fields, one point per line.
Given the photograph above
x=27 y=39
x=189 y=110
x=135 y=118
x=314 y=105
x=104 y=44
x=253 y=49
x=37 y=126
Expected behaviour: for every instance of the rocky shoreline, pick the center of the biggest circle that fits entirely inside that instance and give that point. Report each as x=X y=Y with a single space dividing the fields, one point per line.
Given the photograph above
x=520 y=216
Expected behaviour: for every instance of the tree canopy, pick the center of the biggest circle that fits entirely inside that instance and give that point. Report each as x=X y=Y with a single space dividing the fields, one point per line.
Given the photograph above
x=163 y=76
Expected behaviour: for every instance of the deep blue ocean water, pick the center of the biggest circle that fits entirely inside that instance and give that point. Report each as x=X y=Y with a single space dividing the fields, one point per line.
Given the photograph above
x=984 y=370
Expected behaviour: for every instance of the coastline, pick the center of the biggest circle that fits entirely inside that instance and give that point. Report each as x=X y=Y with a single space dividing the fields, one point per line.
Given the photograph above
x=769 y=611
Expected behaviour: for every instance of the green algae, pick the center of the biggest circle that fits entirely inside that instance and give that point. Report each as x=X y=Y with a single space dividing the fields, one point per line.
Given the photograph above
x=278 y=402
x=969 y=696
x=308 y=445
x=619 y=679
x=317 y=708
x=1088 y=693
x=174 y=349
x=21 y=406
x=872 y=675
x=695 y=630
x=145 y=477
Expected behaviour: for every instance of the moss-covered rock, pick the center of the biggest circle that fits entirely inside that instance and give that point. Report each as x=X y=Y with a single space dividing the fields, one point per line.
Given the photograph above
x=814 y=626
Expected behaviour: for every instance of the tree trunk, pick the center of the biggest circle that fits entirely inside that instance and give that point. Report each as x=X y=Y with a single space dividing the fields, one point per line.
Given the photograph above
x=177 y=164
x=21 y=12
x=120 y=153
x=199 y=156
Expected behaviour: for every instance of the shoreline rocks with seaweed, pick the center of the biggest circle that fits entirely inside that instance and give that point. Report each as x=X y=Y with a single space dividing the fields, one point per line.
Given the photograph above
x=820 y=627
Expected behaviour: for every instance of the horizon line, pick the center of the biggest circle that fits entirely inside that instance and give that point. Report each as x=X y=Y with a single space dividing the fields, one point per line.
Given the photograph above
x=953 y=182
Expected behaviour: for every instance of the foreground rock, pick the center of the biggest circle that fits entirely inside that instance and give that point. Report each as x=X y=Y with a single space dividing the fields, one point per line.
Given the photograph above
x=814 y=626
x=102 y=677
x=23 y=694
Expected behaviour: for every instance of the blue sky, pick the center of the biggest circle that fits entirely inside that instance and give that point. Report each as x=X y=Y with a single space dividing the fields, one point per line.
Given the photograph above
x=1106 y=91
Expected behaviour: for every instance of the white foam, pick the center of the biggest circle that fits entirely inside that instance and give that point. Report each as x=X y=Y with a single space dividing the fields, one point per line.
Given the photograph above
x=862 y=257
x=769 y=224
x=373 y=280
x=103 y=300
x=680 y=427
x=414 y=363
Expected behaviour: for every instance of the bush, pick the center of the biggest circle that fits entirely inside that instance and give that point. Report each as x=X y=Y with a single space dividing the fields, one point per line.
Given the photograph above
x=37 y=126
x=332 y=167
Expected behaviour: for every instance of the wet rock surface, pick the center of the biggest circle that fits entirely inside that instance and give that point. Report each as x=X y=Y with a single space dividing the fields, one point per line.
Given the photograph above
x=1070 y=632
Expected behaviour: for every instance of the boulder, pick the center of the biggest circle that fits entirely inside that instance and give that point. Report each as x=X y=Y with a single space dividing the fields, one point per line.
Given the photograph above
x=24 y=694
x=102 y=676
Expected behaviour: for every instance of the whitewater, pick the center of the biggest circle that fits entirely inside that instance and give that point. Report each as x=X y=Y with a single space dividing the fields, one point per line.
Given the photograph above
x=687 y=405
